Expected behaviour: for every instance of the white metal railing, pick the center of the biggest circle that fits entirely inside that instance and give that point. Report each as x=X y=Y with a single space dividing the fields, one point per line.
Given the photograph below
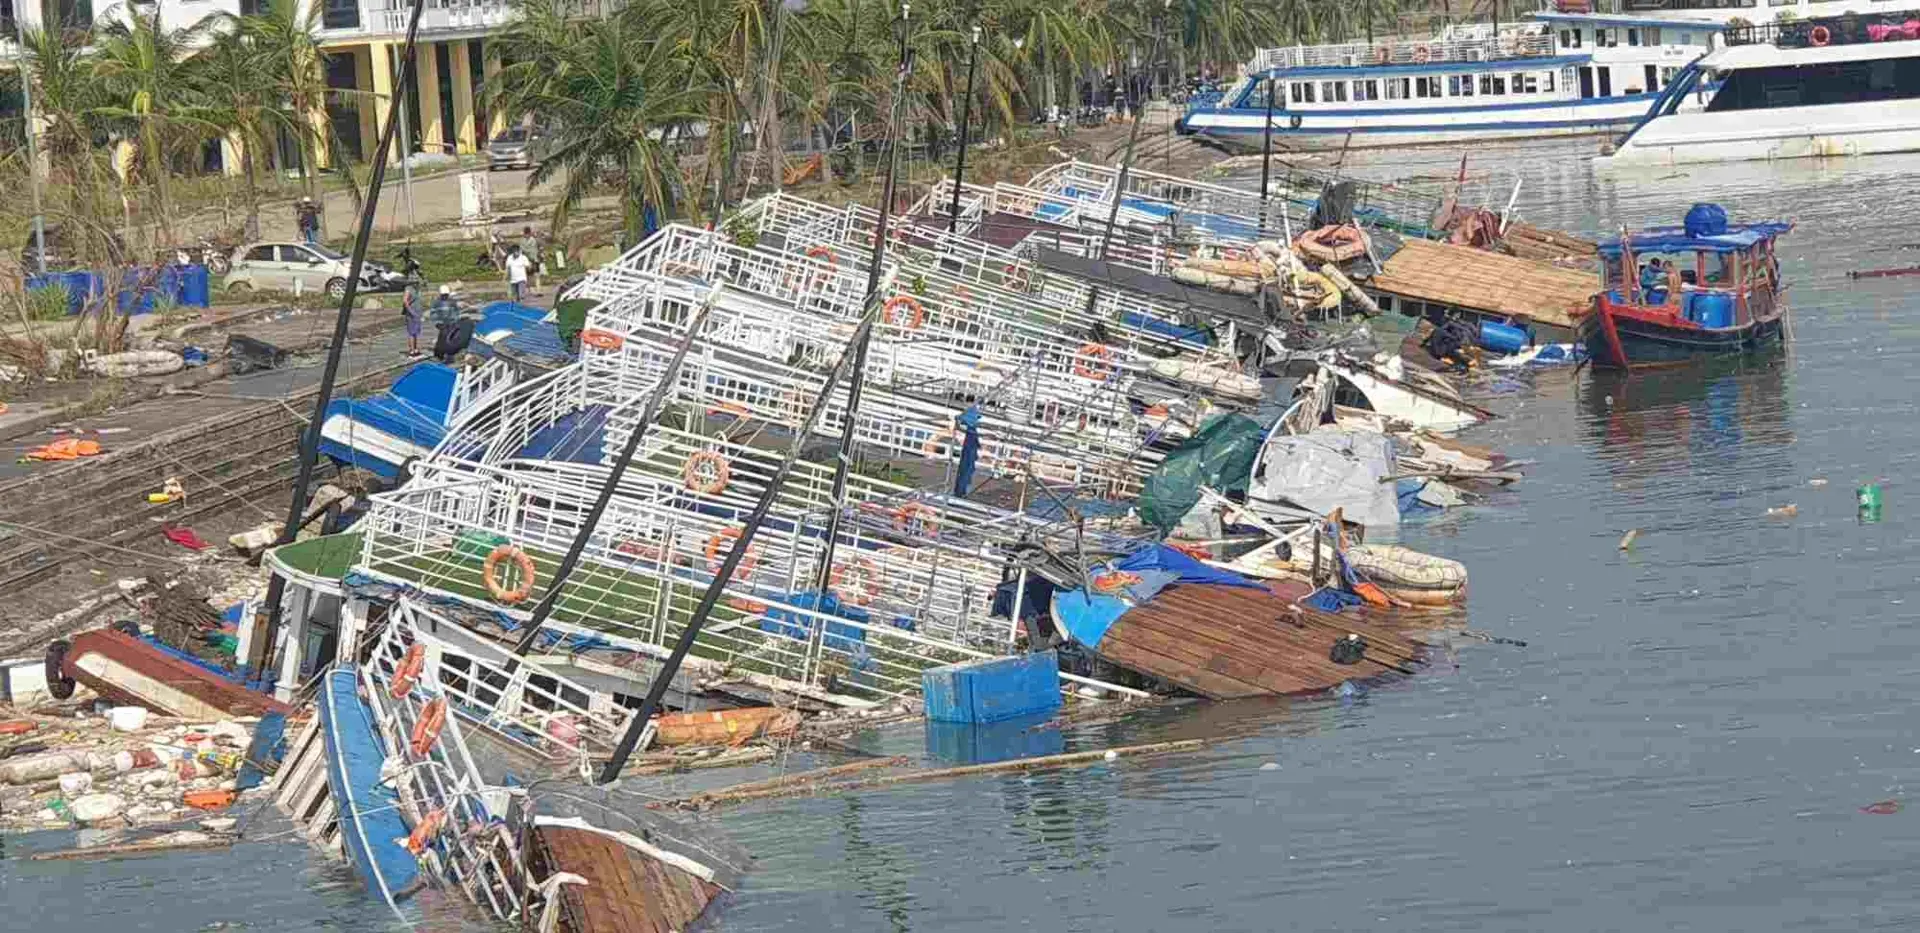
x=444 y=780
x=645 y=592
x=1456 y=45
x=491 y=432
x=474 y=384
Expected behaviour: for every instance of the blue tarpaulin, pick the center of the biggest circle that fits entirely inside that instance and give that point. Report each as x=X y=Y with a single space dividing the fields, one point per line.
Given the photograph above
x=1087 y=616
x=969 y=451
x=1186 y=569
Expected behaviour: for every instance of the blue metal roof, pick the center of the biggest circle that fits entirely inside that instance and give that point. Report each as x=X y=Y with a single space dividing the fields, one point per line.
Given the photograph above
x=1738 y=237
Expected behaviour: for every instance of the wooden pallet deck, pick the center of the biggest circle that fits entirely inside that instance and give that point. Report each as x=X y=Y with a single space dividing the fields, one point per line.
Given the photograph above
x=1224 y=642
x=626 y=891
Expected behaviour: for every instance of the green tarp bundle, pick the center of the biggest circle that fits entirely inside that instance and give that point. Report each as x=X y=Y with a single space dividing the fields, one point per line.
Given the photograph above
x=1219 y=456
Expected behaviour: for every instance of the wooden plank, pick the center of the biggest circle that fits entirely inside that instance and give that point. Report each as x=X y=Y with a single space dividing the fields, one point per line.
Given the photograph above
x=1464 y=277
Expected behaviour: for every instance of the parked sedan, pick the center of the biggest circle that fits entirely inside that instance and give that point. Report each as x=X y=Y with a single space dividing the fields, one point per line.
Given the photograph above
x=517 y=148
x=285 y=266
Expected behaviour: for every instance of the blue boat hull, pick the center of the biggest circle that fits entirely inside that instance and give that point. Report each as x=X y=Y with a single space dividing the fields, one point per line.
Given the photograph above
x=371 y=829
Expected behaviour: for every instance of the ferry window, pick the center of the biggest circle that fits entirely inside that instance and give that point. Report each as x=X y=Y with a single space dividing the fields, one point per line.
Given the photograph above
x=1666 y=75
x=1302 y=92
x=1686 y=38
x=1397 y=89
x=1460 y=85
x=1493 y=84
x=1570 y=38
x=1603 y=39
x=1651 y=35
x=1633 y=36
x=1366 y=90
x=1527 y=84
x=1428 y=86
x=1331 y=91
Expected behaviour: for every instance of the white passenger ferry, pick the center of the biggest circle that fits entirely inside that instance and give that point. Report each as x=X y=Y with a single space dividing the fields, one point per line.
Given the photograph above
x=1829 y=85
x=1564 y=71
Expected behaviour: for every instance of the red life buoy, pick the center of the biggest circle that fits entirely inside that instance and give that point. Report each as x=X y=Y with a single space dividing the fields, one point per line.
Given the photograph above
x=713 y=552
x=1093 y=362
x=408 y=673
x=427 y=730
x=857 y=582
x=916 y=519
x=1017 y=277
x=915 y=316
x=824 y=254
x=489 y=572
x=706 y=472
x=601 y=340
x=1422 y=54
x=429 y=827
x=1820 y=36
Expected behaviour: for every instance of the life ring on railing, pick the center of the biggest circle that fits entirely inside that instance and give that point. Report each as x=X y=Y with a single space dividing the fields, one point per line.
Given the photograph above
x=489 y=571
x=714 y=559
x=1017 y=277
x=1085 y=367
x=823 y=253
x=601 y=339
x=706 y=472
x=408 y=672
x=639 y=550
x=1110 y=583
x=426 y=731
x=916 y=314
x=857 y=582
x=1383 y=53
x=917 y=519
x=1422 y=54
x=1294 y=121
x=423 y=833
x=1820 y=35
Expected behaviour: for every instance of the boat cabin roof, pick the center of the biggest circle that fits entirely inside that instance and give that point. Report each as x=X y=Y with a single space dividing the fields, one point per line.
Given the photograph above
x=1738 y=238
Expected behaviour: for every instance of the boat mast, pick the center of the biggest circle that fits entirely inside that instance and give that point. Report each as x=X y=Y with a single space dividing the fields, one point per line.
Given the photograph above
x=852 y=360
x=266 y=623
x=551 y=598
x=856 y=382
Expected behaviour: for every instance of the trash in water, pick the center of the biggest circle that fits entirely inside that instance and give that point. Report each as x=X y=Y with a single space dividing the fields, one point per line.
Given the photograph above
x=1882 y=808
x=1869 y=496
x=1627 y=541
x=1784 y=511
x=1816 y=482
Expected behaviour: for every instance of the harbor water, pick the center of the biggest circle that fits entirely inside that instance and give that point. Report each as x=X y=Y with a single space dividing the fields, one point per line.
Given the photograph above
x=1685 y=742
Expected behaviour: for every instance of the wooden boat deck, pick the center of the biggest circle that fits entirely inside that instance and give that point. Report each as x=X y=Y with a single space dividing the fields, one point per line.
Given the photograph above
x=626 y=892
x=1224 y=642
x=1490 y=283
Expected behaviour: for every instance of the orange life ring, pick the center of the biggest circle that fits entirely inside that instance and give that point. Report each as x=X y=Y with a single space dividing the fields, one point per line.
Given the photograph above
x=637 y=549
x=426 y=731
x=713 y=552
x=706 y=472
x=408 y=672
x=861 y=577
x=601 y=339
x=916 y=315
x=1422 y=54
x=824 y=254
x=1110 y=583
x=490 y=573
x=1820 y=35
x=917 y=519
x=1084 y=367
x=429 y=827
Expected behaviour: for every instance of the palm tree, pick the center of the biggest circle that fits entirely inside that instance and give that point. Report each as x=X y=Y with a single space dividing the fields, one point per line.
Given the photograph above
x=285 y=39
x=236 y=102
x=609 y=95
x=67 y=98
x=144 y=71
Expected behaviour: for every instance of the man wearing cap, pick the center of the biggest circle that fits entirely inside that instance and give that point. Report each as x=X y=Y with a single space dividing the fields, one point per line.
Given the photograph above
x=307 y=218
x=446 y=323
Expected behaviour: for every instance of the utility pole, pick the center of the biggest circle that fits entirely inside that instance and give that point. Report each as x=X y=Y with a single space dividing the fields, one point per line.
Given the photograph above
x=33 y=145
x=1266 y=155
x=966 y=102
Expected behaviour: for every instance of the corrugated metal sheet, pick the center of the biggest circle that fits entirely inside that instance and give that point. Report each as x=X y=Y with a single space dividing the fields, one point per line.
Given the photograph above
x=1224 y=642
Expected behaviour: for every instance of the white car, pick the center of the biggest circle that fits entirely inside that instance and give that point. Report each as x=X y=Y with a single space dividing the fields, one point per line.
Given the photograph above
x=287 y=266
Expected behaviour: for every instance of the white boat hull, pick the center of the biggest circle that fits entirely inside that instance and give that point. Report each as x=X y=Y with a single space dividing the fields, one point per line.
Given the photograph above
x=1402 y=404
x=1242 y=128
x=1820 y=131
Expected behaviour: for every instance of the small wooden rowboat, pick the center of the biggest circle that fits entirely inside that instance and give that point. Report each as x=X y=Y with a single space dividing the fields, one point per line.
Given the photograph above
x=135 y=672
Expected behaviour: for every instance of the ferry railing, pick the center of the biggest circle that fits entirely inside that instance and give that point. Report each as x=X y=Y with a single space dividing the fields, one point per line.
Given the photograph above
x=492 y=432
x=473 y=384
x=644 y=594
x=1509 y=44
x=1814 y=32
x=444 y=780
x=1111 y=457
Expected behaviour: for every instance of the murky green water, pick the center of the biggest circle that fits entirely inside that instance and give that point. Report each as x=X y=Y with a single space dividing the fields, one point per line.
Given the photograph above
x=1684 y=744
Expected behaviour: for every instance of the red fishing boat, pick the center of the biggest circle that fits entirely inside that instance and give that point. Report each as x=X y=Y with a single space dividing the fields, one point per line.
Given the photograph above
x=1675 y=294
x=131 y=670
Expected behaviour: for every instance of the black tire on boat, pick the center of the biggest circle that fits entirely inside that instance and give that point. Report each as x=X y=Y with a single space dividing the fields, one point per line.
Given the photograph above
x=127 y=626
x=58 y=683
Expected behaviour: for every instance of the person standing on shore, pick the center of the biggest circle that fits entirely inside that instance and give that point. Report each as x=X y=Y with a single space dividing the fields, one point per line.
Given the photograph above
x=530 y=247
x=446 y=318
x=306 y=217
x=517 y=265
x=413 y=312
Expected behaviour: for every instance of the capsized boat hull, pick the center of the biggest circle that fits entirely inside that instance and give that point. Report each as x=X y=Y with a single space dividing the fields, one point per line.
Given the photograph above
x=372 y=831
x=1401 y=401
x=626 y=890
x=133 y=672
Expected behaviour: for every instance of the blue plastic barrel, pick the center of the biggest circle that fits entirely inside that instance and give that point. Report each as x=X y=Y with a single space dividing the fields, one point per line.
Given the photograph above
x=1711 y=309
x=196 y=286
x=1502 y=338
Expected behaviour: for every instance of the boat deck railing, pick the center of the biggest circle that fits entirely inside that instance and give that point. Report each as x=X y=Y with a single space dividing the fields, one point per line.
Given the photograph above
x=1857 y=29
x=1054 y=385
x=499 y=425
x=429 y=535
x=988 y=273
x=1517 y=43
x=1105 y=457
x=446 y=780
